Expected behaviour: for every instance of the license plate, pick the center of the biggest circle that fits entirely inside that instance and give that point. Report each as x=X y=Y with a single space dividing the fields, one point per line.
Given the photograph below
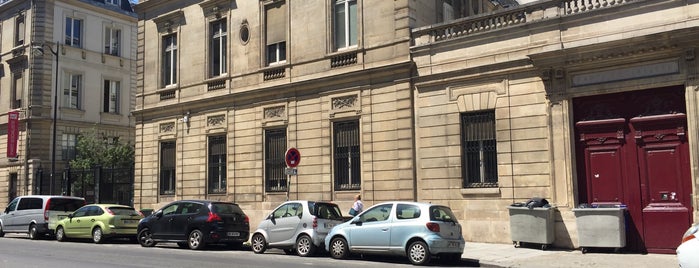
x=453 y=244
x=329 y=225
x=233 y=234
x=129 y=221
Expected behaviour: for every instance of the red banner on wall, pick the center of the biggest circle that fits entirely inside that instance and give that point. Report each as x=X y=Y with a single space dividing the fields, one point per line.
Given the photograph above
x=12 y=133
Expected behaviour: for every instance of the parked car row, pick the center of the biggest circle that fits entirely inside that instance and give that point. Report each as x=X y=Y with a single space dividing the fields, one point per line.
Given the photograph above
x=418 y=231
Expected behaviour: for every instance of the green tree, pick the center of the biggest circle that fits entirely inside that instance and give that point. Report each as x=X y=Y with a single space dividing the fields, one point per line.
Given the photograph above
x=95 y=149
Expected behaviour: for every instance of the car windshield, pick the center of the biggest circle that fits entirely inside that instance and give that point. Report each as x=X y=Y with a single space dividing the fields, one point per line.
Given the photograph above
x=123 y=211
x=325 y=211
x=65 y=204
x=226 y=208
x=442 y=213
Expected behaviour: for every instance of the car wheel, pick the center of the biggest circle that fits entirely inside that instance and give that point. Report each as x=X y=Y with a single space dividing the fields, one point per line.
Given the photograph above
x=97 y=235
x=338 y=248
x=145 y=238
x=33 y=232
x=418 y=253
x=196 y=240
x=2 y=232
x=305 y=246
x=60 y=234
x=182 y=245
x=289 y=251
x=259 y=245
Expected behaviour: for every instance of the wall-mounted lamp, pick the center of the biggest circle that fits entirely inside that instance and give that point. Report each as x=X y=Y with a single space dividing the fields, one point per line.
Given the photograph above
x=185 y=118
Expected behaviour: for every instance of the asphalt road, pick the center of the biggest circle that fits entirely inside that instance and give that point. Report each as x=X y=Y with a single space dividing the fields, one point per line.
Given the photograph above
x=19 y=251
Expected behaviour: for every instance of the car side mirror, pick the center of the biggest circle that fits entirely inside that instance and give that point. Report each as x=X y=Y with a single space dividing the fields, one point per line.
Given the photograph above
x=356 y=222
x=159 y=214
x=71 y=215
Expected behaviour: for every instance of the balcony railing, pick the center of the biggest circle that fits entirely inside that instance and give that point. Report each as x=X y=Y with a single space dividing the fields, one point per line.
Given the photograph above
x=537 y=11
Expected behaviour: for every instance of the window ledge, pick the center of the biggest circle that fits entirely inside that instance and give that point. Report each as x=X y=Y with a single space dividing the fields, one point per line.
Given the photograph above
x=480 y=191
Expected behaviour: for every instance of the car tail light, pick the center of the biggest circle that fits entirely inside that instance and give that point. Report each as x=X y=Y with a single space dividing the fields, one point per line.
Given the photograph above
x=213 y=217
x=109 y=211
x=315 y=222
x=434 y=227
x=690 y=234
x=246 y=219
x=46 y=209
x=140 y=213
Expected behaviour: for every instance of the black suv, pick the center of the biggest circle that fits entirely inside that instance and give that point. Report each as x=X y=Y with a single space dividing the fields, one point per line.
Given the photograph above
x=194 y=224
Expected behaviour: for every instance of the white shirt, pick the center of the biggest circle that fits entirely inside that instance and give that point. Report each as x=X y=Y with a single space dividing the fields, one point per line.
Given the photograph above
x=358 y=206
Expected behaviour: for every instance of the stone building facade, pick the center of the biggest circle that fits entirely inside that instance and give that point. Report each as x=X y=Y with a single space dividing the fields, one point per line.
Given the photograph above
x=91 y=41
x=409 y=100
x=575 y=101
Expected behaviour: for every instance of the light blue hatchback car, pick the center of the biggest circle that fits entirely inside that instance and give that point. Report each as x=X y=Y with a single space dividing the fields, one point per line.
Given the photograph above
x=416 y=230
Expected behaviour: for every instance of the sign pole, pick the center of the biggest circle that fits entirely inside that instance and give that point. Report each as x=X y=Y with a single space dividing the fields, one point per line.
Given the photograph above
x=292 y=157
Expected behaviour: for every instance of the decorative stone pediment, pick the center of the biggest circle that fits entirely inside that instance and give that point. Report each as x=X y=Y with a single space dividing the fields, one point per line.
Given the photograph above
x=166 y=23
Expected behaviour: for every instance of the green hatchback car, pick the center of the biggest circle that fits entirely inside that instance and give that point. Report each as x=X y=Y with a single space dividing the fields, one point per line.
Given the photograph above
x=99 y=222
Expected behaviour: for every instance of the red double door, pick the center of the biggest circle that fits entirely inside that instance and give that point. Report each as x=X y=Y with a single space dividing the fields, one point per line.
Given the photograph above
x=632 y=149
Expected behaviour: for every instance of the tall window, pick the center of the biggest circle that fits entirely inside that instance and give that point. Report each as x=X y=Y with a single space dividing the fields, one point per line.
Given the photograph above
x=219 y=41
x=217 y=164
x=111 y=96
x=479 y=163
x=73 y=32
x=275 y=148
x=112 y=41
x=346 y=155
x=345 y=19
x=275 y=23
x=20 y=29
x=73 y=86
x=112 y=2
x=69 y=143
x=17 y=90
x=169 y=64
x=167 y=168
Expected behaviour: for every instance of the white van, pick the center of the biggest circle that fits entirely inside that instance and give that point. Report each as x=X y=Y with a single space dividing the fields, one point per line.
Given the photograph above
x=37 y=215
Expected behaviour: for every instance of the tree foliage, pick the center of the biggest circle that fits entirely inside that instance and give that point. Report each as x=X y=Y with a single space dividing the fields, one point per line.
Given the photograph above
x=95 y=149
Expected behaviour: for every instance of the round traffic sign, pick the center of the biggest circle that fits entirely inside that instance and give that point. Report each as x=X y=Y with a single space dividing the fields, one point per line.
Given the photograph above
x=292 y=157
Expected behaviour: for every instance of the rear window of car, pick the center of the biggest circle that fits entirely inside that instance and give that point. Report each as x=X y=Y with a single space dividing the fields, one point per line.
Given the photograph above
x=123 y=211
x=442 y=213
x=226 y=208
x=65 y=204
x=327 y=211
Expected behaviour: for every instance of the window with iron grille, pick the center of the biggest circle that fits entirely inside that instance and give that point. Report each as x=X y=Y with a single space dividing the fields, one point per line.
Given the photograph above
x=479 y=163
x=346 y=155
x=217 y=164
x=167 y=168
x=275 y=149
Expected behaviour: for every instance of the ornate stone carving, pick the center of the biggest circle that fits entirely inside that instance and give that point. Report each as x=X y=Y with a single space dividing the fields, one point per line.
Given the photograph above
x=215 y=121
x=344 y=102
x=167 y=127
x=274 y=112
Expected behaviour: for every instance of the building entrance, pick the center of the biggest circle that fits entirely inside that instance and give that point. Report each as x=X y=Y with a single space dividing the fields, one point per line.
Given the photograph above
x=632 y=149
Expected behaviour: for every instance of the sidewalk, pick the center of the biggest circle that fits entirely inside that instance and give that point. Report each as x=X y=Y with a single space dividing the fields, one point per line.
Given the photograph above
x=506 y=255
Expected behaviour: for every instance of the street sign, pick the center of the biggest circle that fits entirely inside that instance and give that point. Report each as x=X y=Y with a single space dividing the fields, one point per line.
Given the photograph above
x=291 y=171
x=292 y=157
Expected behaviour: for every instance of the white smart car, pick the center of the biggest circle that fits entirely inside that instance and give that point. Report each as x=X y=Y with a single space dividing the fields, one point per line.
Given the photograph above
x=688 y=251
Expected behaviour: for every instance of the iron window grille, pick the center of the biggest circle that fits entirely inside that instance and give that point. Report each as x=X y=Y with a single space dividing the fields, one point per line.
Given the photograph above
x=479 y=150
